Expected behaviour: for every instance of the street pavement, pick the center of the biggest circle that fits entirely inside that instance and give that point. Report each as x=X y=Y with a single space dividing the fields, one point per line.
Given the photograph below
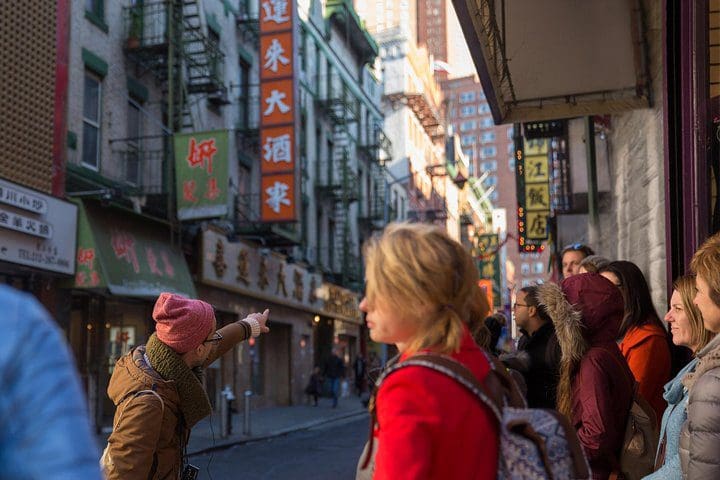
x=326 y=452
x=267 y=423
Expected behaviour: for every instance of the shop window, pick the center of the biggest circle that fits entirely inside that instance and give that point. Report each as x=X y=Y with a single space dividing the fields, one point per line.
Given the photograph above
x=525 y=268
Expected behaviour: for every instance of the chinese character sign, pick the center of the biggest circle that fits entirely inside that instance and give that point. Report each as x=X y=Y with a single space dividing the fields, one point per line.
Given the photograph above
x=277 y=110
x=488 y=264
x=532 y=176
x=201 y=171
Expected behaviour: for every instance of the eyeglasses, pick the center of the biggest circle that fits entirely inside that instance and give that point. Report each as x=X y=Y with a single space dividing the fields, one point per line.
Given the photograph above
x=515 y=305
x=217 y=336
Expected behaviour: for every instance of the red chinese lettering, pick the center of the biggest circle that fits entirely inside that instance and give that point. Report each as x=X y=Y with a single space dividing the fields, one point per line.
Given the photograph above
x=94 y=279
x=80 y=279
x=169 y=269
x=123 y=245
x=213 y=191
x=152 y=261
x=86 y=256
x=202 y=154
x=189 y=191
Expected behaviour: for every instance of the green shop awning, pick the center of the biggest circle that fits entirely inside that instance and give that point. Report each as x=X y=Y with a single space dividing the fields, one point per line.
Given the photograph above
x=127 y=254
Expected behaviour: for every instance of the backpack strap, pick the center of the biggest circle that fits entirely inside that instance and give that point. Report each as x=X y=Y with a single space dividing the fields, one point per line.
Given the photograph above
x=491 y=393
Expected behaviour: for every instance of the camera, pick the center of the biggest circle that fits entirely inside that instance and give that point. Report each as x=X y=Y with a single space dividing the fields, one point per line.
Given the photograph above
x=190 y=472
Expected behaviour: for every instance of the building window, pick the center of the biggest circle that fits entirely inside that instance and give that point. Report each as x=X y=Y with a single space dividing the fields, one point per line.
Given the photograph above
x=525 y=268
x=467 y=97
x=487 y=122
x=95 y=13
x=488 y=152
x=467 y=111
x=510 y=133
x=494 y=196
x=538 y=267
x=490 y=166
x=511 y=163
x=468 y=139
x=491 y=181
x=91 y=121
x=483 y=108
x=488 y=137
x=469 y=125
x=511 y=148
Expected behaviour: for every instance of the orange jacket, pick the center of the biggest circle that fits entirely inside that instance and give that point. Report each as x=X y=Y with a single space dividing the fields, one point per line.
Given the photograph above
x=647 y=352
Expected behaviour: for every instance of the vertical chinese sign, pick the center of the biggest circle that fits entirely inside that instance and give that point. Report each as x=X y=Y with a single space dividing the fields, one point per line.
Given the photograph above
x=278 y=192
x=201 y=170
x=488 y=263
x=532 y=175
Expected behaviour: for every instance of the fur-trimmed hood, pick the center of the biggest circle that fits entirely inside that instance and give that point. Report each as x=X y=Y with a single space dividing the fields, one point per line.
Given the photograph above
x=566 y=319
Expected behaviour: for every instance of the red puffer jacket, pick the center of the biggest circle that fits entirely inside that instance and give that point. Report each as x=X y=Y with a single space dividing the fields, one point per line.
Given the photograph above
x=431 y=427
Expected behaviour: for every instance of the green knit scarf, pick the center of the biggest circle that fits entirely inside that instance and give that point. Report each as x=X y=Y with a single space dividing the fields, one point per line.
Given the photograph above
x=194 y=402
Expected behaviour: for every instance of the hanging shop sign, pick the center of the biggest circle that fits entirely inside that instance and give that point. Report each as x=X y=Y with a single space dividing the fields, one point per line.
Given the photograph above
x=245 y=269
x=278 y=157
x=532 y=175
x=36 y=230
x=201 y=170
x=488 y=264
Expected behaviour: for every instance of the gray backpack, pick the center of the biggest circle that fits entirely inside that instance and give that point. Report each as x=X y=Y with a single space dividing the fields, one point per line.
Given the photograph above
x=534 y=443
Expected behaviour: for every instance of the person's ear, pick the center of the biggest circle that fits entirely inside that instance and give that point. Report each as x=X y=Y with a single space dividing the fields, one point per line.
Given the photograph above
x=532 y=311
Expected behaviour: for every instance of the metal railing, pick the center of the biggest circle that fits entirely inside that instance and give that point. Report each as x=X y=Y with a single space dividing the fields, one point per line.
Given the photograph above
x=145 y=25
x=141 y=170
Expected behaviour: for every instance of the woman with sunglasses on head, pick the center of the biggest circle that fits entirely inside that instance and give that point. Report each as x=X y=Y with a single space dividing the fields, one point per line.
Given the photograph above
x=422 y=296
x=642 y=338
x=686 y=325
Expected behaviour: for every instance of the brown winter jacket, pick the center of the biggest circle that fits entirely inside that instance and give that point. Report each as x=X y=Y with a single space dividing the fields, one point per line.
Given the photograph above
x=700 y=435
x=595 y=382
x=144 y=444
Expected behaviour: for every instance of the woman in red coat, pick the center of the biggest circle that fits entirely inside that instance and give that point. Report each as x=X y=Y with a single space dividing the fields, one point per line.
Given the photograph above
x=643 y=339
x=421 y=292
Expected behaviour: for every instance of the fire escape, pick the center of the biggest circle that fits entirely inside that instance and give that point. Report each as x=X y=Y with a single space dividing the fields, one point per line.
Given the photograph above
x=337 y=180
x=377 y=149
x=168 y=39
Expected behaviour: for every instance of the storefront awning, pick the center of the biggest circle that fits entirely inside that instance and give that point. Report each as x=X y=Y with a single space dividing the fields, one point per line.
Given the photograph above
x=557 y=58
x=128 y=255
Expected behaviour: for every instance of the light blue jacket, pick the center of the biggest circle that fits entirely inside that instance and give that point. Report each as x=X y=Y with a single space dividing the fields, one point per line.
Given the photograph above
x=675 y=415
x=44 y=426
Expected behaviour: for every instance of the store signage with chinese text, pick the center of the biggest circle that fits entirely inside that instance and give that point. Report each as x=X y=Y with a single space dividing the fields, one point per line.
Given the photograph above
x=37 y=230
x=488 y=264
x=532 y=175
x=201 y=170
x=242 y=268
x=278 y=194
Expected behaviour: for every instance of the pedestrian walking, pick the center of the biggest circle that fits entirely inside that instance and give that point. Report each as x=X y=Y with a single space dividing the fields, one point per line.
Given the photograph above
x=334 y=371
x=420 y=296
x=643 y=339
x=359 y=370
x=595 y=388
x=44 y=426
x=571 y=256
x=686 y=325
x=314 y=387
x=700 y=435
x=538 y=354
x=157 y=387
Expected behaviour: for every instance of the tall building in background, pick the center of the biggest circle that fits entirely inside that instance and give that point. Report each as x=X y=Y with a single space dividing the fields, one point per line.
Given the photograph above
x=388 y=14
x=490 y=151
x=432 y=27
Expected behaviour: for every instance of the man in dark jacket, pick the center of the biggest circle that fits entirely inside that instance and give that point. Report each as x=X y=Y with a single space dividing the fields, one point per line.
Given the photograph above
x=334 y=371
x=538 y=355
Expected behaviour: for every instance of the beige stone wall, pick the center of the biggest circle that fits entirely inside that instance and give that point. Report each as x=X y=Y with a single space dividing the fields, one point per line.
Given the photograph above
x=635 y=227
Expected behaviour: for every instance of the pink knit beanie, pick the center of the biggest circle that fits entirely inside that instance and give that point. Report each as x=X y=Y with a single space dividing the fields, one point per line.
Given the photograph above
x=182 y=323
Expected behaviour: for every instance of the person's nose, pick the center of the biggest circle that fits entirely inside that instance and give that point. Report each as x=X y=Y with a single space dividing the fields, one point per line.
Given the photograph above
x=363 y=305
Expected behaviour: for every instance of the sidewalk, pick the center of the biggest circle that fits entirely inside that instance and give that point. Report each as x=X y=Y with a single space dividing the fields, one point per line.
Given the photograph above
x=266 y=423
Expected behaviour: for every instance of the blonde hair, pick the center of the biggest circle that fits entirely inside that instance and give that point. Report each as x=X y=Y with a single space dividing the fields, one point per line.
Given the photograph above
x=706 y=264
x=685 y=286
x=428 y=279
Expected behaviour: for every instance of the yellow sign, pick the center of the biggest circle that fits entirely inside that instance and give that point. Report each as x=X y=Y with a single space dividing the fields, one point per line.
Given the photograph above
x=537 y=168
x=537 y=196
x=536 y=225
